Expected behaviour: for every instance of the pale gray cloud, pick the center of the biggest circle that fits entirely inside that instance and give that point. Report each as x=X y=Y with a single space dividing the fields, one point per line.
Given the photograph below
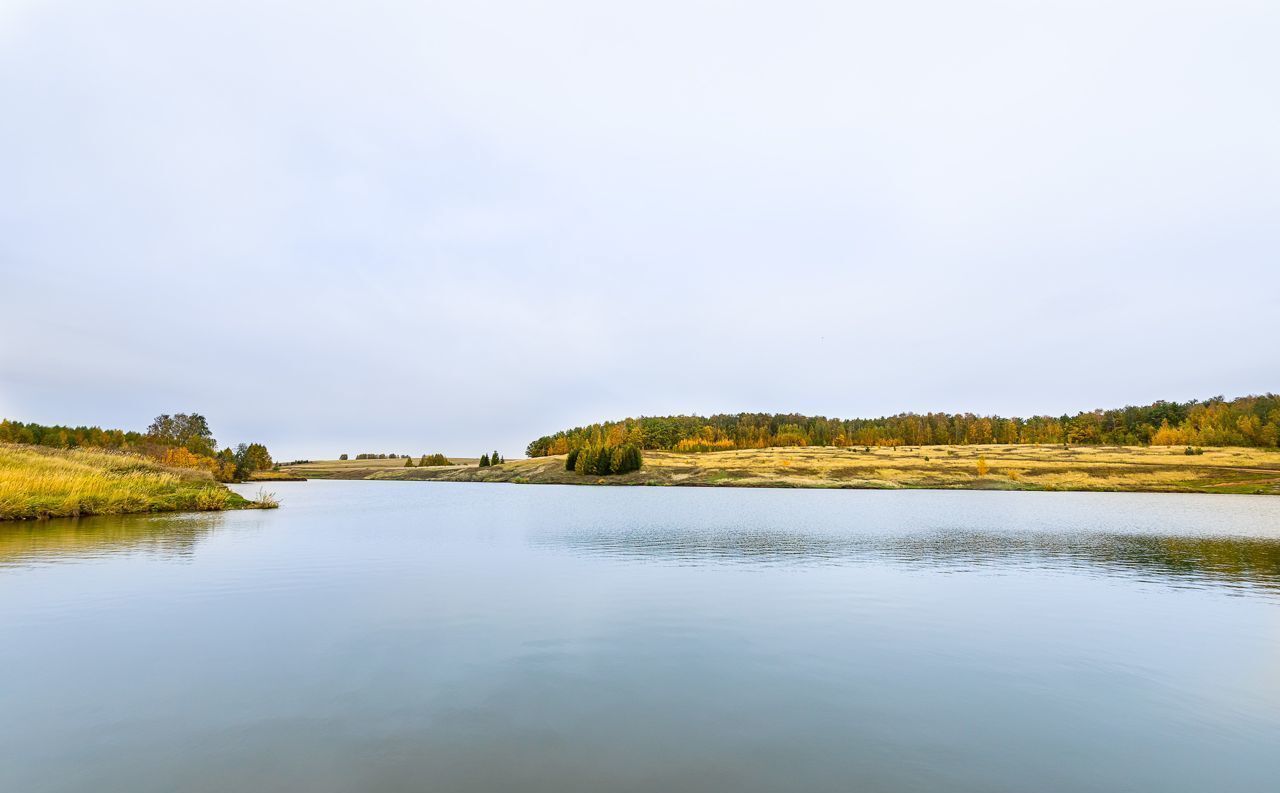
x=418 y=226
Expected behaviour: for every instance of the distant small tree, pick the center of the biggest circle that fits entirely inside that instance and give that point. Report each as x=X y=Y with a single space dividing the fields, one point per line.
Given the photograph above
x=342 y=457
x=484 y=461
x=983 y=468
x=408 y=461
x=495 y=459
x=570 y=459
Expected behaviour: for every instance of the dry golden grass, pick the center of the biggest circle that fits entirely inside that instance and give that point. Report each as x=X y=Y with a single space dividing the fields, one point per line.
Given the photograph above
x=988 y=467
x=38 y=482
x=274 y=476
x=1156 y=469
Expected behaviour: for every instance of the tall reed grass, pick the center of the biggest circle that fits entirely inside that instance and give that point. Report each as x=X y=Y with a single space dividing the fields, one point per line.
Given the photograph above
x=40 y=482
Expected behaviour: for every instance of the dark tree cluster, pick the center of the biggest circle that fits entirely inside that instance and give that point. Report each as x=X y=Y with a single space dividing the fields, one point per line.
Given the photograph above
x=1244 y=421
x=604 y=460
x=427 y=460
x=248 y=458
x=494 y=459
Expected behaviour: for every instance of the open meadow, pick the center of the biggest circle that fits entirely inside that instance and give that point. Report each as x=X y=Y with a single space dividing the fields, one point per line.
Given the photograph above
x=977 y=467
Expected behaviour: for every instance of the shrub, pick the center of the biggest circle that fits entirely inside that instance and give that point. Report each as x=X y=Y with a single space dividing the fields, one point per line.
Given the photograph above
x=212 y=499
x=265 y=500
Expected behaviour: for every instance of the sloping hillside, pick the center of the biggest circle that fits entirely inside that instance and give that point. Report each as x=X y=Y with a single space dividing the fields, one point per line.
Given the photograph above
x=41 y=482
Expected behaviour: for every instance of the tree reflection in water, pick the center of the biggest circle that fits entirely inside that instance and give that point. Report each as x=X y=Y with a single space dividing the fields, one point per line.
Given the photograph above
x=1175 y=560
x=67 y=539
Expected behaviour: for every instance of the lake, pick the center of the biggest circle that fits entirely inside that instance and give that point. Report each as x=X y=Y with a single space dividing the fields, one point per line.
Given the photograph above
x=408 y=636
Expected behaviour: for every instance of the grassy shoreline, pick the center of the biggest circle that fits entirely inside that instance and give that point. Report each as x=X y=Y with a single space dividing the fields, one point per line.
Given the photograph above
x=978 y=467
x=40 y=482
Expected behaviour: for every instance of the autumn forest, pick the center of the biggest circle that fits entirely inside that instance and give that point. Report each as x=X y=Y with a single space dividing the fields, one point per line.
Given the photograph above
x=1244 y=421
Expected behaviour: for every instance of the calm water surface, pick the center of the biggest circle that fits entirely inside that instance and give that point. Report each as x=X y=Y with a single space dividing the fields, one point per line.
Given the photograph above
x=405 y=636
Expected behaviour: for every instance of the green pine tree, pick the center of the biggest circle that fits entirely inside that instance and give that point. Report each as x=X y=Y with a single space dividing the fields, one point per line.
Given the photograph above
x=484 y=461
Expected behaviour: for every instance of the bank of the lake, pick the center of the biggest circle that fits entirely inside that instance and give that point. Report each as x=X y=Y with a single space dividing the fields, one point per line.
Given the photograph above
x=1154 y=469
x=42 y=482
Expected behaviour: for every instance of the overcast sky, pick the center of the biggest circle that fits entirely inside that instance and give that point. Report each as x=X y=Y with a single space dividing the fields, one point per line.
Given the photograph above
x=420 y=227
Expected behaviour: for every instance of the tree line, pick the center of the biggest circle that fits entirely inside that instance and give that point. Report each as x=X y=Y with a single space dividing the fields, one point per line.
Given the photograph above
x=427 y=461
x=1244 y=421
x=183 y=440
x=603 y=460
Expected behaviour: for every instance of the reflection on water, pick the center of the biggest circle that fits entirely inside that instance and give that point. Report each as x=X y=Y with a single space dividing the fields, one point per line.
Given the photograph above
x=401 y=636
x=1232 y=561
x=69 y=539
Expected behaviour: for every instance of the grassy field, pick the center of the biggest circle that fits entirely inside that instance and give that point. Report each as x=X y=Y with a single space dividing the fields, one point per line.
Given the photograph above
x=994 y=467
x=40 y=482
x=366 y=469
x=275 y=476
